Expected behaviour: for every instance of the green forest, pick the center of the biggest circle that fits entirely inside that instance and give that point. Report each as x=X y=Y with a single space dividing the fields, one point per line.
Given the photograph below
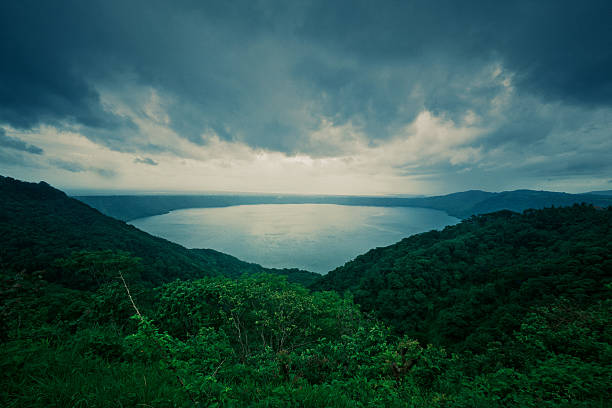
x=505 y=309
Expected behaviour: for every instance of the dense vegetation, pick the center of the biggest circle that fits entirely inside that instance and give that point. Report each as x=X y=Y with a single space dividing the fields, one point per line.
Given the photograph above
x=39 y=224
x=473 y=283
x=462 y=205
x=502 y=310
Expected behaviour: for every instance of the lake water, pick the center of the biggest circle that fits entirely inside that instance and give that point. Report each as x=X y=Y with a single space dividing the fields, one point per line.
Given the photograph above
x=314 y=237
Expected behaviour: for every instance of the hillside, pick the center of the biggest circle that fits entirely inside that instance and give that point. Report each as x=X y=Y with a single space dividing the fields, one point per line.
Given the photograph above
x=40 y=224
x=474 y=202
x=461 y=205
x=520 y=200
x=502 y=310
x=474 y=282
x=601 y=192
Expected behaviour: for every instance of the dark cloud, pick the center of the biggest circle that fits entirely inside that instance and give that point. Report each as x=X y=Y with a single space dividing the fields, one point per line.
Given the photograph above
x=44 y=77
x=106 y=173
x=14 y=158
x=269 y=73
x=70 y=166
x=75 y=167
x=17 y=144
x=145 y=160
x=568 y=165
x=235 y=68
x=560 y=49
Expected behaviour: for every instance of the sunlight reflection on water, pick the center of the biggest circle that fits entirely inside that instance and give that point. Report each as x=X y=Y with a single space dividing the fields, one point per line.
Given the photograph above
x=315 y=237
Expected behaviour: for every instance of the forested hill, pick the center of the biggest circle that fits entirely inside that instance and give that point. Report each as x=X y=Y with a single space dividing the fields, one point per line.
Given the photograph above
x=40 y=224
x=474 y=282
x=462 y=205
x=502 y=310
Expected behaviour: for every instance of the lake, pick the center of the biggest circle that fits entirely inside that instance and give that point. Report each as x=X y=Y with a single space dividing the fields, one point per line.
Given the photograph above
x=314 y=237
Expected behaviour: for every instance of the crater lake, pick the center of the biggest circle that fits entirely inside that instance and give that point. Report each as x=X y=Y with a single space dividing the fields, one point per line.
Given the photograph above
x=313 y=237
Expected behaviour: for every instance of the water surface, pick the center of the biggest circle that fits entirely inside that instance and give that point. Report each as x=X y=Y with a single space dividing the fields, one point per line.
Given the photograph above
x=314 y=237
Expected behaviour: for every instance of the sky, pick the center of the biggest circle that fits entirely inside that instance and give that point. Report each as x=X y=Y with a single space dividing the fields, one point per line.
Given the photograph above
x=307 y=97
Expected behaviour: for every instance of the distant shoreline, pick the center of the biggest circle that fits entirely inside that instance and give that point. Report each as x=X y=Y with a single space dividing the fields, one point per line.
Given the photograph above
x=461 y=205
x=240 y=205
x=133 y=207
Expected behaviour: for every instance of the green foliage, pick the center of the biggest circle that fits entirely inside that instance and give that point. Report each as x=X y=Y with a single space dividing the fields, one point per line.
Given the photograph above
x=40 y=224
x=503 y=310
x=38 y=374
x=473 y=283
x=260 y=311
x=90 y=269
x=261 y=341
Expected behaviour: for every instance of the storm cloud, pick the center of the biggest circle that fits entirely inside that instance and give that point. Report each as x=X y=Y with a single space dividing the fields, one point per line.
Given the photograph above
x=503 y=93
x=17 y=144
x=75 y=167
x=145 y=160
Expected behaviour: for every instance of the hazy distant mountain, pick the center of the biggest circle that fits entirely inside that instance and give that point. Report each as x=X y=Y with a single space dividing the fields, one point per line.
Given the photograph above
x=601 y=192
x=474 y=202
x=462 y=205
x=520 y=200
x=39 y=224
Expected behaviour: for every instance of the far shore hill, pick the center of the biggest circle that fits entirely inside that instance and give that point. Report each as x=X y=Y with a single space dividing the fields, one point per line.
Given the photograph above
x=462 y=205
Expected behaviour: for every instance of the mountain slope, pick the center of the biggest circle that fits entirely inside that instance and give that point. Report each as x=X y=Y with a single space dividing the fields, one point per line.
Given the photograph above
x=520 y=200
x=473 y=283
x=527 y=297
x=601 y=192
x=474 y=202
x=40 y=224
